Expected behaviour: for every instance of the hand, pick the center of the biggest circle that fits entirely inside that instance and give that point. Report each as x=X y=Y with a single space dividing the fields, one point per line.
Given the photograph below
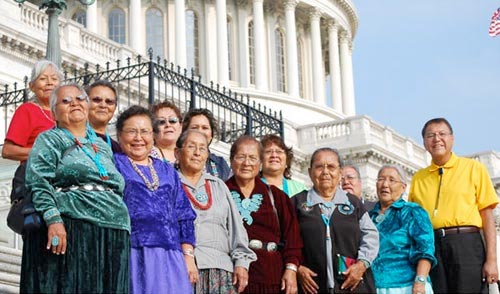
x=490 y=272
x=289 y=282
x=418 y=288
x=192 y=269
x=305 y=276
x=57 y=230
x=353 y=276
x=240 y=278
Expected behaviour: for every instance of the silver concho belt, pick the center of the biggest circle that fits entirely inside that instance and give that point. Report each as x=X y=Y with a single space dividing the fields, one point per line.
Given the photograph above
x=85 y=187
x=258 y=244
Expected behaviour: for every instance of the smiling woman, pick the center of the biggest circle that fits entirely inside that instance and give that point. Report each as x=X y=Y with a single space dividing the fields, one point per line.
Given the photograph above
x=161 y=216
x=168 y=121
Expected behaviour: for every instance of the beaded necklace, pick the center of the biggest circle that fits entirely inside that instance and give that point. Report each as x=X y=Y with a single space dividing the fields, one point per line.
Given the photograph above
x=44 y=114
x=200 y=197
x=156 y=181
x=90 y=135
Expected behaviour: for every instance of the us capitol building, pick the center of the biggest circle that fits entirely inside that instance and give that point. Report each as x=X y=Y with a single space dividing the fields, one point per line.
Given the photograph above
x=290 y=56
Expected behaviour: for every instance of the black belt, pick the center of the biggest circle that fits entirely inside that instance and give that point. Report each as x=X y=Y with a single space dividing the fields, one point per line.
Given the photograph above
x=442 y=232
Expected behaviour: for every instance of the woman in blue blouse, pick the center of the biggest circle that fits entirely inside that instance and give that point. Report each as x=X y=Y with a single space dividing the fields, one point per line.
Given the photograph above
x=162 y=220
x=406 y=252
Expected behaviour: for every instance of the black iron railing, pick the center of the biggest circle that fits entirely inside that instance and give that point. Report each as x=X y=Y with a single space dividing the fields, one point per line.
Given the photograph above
x=149 y=81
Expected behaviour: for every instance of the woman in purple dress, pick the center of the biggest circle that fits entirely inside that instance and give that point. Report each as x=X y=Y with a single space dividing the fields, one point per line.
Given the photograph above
x=162 y=220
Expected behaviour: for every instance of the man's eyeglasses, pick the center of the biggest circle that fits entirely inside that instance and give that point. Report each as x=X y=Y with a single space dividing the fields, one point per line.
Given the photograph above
x=67 y=100
x=108 y=101
x=133 y=133
x=436 y=135
x=391 y=181
x=348 y=178
x=243 y=158
x=171 y=120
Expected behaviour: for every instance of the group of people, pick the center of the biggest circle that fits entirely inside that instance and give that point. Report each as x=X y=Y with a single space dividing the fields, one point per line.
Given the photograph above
x=157 y=212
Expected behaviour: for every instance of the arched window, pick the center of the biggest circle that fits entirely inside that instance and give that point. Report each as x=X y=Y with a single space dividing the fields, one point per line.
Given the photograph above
x=192 y=45
x=251 y=53
x=80 y=17
x=154 y=31
x=300 y=52
x=230 y=49
x=116 y=25
x=280 y=60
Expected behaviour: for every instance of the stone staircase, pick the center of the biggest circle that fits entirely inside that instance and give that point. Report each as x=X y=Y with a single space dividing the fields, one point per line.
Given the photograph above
x=10 y=269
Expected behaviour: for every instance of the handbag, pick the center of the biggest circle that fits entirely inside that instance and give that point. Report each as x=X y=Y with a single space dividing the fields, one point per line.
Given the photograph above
x=22 y=215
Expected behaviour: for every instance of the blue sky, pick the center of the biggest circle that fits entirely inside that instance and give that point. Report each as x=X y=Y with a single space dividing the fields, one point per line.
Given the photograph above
x=416 y=60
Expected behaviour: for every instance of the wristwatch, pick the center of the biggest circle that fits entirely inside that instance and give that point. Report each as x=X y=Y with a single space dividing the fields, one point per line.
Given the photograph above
x=420 y=279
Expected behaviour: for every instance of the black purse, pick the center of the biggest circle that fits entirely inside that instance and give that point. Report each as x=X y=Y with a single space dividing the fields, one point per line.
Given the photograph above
x=22 y=215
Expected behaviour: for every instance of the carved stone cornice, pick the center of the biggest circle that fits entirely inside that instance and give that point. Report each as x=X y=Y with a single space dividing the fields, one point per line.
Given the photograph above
x=346 y=6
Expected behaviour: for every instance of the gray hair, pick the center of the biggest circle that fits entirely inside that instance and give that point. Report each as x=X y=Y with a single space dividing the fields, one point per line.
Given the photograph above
x=53 y=95
x=355 y=168
x=402 y=174
x=183 y=137
x=40 y=66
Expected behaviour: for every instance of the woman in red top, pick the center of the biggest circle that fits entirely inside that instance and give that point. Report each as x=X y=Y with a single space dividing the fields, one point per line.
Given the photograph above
x=269 y=218
x=33 y=117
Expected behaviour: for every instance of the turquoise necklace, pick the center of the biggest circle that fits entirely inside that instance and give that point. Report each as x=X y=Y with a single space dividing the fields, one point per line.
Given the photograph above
x=91 y=136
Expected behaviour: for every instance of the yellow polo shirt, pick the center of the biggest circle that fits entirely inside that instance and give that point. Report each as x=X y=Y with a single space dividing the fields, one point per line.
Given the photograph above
x=466 y=188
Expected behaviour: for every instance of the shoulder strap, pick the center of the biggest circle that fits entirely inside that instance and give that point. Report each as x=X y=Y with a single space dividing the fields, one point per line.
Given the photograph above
x=271 y=197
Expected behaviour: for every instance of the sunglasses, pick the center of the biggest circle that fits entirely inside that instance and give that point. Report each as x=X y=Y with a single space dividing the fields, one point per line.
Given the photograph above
x=80 y=98
x=108 y=101
x=171 y=120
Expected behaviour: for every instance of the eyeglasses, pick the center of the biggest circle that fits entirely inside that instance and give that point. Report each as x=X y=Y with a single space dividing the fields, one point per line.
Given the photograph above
x=348 y=178
x=171 y=120
x=192 y=148
x=133 y=133
x=108 y=101
x=67 y=100
x=391 y=181
x=322 y=167
x=271 y=151
x=437 y=135
x=243 y=158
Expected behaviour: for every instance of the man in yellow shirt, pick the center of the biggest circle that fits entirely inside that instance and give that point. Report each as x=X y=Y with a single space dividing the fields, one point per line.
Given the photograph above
x=459 y=196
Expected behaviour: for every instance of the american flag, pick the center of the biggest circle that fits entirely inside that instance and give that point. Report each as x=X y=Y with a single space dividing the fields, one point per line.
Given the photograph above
x=495 y=24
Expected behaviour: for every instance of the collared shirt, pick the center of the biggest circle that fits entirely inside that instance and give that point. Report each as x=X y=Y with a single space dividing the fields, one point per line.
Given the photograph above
x=221 y=239
x=466 y=188
x=406 y=236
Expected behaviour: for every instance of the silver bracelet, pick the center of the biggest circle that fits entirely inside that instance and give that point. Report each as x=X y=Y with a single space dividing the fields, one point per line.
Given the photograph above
x=188 y=252
x=291 y=266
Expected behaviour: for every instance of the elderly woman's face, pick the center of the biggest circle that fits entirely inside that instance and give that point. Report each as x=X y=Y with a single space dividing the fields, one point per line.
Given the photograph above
x=325 y=172
x=72 y=106
x=136 y=137
x=274 y=159
x=47 y=81
x=194 y=152
x=389 y=186
x=246 y=161
x=201 y=123
x=169 y=127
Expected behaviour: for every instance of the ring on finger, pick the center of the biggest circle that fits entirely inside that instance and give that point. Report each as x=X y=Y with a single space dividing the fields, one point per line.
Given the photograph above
x=55 y=241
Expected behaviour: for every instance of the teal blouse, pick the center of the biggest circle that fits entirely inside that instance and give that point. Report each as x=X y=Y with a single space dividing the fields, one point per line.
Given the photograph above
x=406 y=236
x=57 y=162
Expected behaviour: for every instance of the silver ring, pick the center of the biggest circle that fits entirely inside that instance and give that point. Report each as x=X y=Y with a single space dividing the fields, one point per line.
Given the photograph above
x=55 y=241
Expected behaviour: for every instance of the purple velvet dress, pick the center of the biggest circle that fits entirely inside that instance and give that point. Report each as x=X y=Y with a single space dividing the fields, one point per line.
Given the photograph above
x=161 y=220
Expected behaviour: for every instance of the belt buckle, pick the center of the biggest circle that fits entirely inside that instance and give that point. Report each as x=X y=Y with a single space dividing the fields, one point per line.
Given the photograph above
x=255 y=244
x=271 y=246
x=442 y=232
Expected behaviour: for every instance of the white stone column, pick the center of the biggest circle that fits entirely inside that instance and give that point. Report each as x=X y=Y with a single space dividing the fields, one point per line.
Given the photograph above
x=347 y=75
x=291 y=48
x=135 y=25
x=261 y=80
x=180 y=33
x=222 y=46
x=335 y=75
x=317 y=59
x=92 y=17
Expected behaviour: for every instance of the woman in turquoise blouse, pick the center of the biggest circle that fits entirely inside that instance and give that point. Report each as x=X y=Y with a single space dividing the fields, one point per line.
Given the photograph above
x=84 y=247
x=406 y=252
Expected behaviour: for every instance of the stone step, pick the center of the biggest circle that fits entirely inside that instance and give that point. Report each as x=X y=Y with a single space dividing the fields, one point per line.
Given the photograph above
x=8 y=289
x=9 y=279
x=10 y=269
